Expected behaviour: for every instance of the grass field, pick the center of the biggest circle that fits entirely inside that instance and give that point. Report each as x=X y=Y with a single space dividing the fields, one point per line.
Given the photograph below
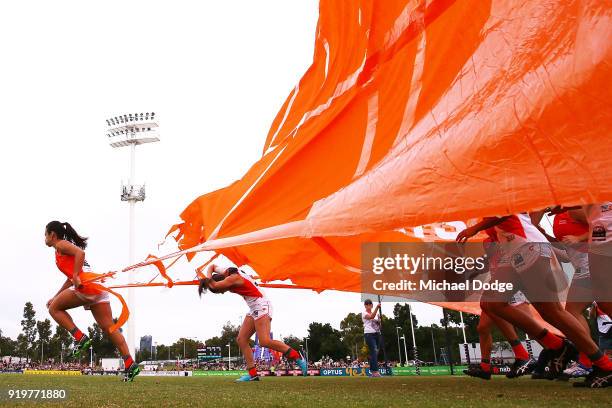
x=87 y=391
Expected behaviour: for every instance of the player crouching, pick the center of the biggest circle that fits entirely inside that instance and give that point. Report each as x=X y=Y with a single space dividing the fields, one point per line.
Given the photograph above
x=258 y=319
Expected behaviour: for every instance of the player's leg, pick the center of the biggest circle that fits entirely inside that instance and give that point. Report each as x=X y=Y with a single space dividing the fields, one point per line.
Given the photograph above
x=263 y=327
x=104 y=317
x=601 y=374
x=576 y=309
x=536 y=280
x=497 y=304
x=576 y=305
x=244 y=335
x=68 y=299
x=485 y=325
x=523 y=363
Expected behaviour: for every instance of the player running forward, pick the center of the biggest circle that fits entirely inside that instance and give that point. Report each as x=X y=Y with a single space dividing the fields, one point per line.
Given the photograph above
x=523 y=363
x=530 y=256
x=258 y=319
x=70 y=259
x=570 y=236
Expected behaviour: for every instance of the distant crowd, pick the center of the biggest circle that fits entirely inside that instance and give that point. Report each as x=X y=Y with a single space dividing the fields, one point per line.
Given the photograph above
x=325 y=362
x=6 y=366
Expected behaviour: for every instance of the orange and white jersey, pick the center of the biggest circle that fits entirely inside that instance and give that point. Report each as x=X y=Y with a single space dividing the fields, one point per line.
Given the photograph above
x=65 y=263
x=248 y=289
x=259 y=305
x=564 y=225
x=517 y=230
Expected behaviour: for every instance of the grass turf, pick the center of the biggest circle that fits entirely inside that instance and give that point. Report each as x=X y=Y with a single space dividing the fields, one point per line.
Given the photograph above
x=88 y=391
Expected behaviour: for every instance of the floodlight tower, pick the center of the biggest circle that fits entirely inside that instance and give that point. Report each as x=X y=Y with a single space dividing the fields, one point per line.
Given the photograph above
x=132 y=129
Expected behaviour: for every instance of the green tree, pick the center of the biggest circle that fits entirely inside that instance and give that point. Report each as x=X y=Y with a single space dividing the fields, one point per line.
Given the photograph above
x=143 y=355
x=471 y=324
x=183 y=347
x=22 y=345
x=43 y=329
x=402 y=320
x=101 y=343
x=389 y=339
x=293 y=342
x=60 y=343
x=7 y=346
x=429 y=340
x=452 y=336
x=351 y=328
x=163 y=352
x=28 y=326
x=324 y=340
x=228 y=336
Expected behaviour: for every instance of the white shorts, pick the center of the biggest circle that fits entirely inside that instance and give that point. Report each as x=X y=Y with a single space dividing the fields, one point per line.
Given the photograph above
x=259 y=307
x=92 y=299
x=518 y=299
x=528 y=254
x=499 y=260
x=579 y=259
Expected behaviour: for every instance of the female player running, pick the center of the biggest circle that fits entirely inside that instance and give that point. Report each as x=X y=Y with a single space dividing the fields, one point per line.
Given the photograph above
x=258 y=319
x=570 y=236
x=523 y=363
x=530 y=255
x=70 y=260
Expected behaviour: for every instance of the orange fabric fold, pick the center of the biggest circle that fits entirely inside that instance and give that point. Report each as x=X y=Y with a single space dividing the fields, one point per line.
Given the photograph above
x=162 y=268
x=414 y=115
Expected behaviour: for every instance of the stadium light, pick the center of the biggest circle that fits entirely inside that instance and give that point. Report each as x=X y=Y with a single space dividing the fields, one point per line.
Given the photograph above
x=463 y=327
x=465 y=345
x=229 y=357
x=123 y=131
x=416 y=359
x=399 y=350
x=433 y=345
x=405 y=349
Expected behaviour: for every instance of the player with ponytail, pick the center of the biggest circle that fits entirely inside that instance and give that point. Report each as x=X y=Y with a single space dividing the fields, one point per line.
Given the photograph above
x=70 y=259
x=258 y=319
